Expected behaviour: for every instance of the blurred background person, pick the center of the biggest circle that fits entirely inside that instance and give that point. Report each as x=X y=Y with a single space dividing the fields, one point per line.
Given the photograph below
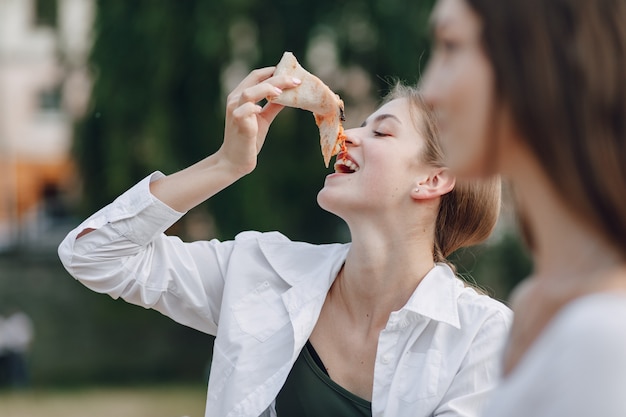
x=16 y=337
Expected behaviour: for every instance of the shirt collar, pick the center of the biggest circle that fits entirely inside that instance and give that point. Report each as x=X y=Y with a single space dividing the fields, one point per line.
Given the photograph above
x=312 y=268
x=436 y=296
x=304 y=263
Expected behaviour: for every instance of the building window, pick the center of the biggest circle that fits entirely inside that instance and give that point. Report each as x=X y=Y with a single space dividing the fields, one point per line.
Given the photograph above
x=46 y=13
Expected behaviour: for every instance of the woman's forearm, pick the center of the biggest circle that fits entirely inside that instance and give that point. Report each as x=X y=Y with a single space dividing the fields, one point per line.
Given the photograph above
x=186 y=189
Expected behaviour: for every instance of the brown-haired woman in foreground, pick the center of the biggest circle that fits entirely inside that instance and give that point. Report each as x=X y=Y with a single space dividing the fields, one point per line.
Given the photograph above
x=536 y=90
x=378 y=327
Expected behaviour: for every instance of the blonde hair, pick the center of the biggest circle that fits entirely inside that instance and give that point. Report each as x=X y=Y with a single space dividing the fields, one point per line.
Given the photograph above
x=467 y=214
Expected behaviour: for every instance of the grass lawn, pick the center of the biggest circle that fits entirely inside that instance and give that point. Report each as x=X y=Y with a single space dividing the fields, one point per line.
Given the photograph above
x=173 y=401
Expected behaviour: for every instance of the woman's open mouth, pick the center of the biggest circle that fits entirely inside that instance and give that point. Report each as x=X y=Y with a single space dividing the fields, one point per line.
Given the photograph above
x=345 y=165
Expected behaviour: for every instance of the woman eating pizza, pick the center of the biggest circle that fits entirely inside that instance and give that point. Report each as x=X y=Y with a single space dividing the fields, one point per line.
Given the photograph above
x=381 y=326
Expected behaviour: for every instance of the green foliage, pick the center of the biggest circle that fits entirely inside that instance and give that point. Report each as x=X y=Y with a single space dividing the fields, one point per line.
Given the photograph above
x=156 y=94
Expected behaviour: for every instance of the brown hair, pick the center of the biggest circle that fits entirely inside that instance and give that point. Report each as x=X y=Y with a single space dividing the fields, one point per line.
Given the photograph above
x=467 y=214
x=560 y=65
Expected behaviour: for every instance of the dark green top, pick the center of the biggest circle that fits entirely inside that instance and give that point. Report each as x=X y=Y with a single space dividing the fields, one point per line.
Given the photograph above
x=309 y=392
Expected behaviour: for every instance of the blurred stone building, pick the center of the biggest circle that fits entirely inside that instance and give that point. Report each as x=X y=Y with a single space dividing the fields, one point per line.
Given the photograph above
x=44 y=87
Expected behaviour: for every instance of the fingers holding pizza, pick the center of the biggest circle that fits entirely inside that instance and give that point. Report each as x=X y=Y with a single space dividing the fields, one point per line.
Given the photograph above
x=287 y=84
x=247 y=122
x=315 y=96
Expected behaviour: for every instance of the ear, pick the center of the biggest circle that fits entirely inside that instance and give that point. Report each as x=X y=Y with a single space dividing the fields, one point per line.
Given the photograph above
x=440 y=181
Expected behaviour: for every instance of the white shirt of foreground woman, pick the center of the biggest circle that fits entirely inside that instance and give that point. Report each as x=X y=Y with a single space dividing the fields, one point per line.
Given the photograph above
x=261 y=295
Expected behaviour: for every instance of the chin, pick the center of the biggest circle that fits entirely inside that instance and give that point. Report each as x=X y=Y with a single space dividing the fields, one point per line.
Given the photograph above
x=322 y=200
x=329 y=202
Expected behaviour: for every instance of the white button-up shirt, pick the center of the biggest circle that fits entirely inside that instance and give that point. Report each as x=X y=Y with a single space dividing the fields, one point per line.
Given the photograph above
x=261 y=295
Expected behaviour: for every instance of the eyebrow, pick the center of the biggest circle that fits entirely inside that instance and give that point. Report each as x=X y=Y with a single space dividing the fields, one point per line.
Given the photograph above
x=382 y=117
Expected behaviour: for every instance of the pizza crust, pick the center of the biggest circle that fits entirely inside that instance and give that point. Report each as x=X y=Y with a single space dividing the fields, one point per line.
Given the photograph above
x=315 y=96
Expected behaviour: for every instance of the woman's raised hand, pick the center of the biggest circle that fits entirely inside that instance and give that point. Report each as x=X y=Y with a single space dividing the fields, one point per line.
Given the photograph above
x=247 y=123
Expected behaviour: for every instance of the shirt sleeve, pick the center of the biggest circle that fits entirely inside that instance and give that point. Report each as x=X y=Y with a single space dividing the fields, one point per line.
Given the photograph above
x=129 y=256
x=480 y=370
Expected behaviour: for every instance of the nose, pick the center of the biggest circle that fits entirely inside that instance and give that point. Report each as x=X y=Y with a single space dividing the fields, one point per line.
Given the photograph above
x=352 y=137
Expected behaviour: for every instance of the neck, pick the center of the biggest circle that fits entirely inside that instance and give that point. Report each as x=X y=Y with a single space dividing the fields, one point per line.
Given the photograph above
x=381 y=272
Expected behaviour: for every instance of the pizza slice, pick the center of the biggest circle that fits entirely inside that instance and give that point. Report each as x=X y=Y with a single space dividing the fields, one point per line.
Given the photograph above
x=315 y=96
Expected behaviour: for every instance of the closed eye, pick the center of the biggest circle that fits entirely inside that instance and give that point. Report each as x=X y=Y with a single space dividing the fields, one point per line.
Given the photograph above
x=380 y=134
